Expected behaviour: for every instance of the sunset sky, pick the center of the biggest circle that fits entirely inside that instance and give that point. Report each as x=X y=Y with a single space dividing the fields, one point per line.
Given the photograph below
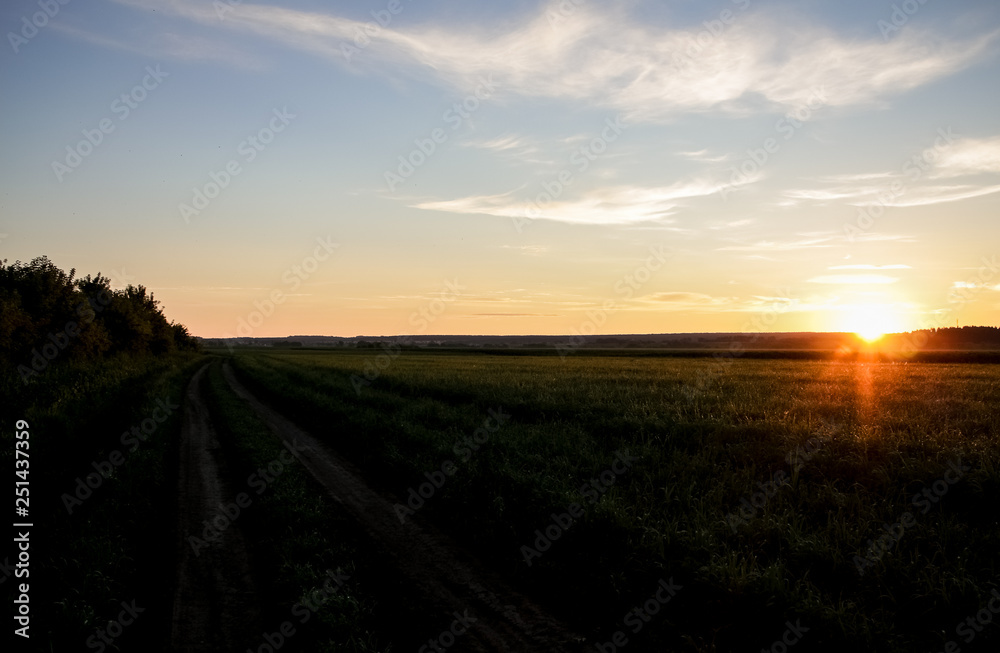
x=471 y=167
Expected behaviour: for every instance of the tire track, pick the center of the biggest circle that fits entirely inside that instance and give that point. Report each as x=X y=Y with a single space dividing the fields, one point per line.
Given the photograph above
x=215 y=598
x=448 y=578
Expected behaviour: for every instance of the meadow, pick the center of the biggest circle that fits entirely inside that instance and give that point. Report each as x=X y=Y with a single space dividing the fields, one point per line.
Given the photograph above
x=846 y=504
x=840 y=503
x=101 y=498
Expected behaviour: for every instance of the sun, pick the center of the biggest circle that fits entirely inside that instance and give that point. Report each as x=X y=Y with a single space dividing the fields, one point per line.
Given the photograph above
x=872 y=321
x=870 y=334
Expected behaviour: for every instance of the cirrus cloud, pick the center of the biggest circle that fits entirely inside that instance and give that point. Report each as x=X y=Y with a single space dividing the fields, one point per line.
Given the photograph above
x=603 y=56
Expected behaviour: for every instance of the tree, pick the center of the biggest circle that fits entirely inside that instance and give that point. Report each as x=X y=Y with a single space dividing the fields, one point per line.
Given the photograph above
x=41 y=306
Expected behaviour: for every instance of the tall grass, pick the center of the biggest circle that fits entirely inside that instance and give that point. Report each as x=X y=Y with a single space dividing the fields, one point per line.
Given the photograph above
x=707 y=435
x=297 y=534
x=117 y=546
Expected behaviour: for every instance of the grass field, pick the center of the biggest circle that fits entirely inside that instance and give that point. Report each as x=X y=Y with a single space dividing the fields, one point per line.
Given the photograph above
x=853 y=499
x=103 y=527
x=845 y=504
x=290 y=525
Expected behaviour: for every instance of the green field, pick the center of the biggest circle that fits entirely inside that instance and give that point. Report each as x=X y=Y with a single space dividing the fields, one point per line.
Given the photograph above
x=95 y=547
x=854 y=501
x=868 y=491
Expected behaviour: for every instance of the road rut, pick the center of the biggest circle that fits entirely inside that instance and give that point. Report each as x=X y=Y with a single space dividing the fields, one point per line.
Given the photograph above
x=447 y=577
x=215 y=606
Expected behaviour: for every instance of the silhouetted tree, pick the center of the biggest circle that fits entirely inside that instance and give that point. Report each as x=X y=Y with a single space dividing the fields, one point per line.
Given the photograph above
x=46 y=314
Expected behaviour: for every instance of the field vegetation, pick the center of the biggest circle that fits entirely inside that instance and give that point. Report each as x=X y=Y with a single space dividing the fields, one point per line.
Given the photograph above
x=857 y=498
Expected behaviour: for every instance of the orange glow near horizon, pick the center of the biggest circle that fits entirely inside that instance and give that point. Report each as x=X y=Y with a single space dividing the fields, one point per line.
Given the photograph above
x=872 y=321
x=870 y=335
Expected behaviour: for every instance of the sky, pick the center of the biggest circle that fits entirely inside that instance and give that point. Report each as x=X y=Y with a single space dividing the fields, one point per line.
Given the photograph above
x=430 y=167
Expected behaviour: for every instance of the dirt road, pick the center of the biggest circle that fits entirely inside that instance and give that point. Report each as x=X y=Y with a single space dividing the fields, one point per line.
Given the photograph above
x=215 y=600
x=447 y=578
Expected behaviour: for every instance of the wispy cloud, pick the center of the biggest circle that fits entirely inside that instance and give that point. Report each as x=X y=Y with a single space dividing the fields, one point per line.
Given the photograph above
x=505 y=143
x=733 y=224
x=781 y=246
x=919 y=195
x=974 y=286
x=512 y=147
x=875 y=236
x=162 y=45
x=863 y=266
x=855 y=279
x=528 y=250
x=918 y=182
x=702 y=302
x=969 y=157
x=606 y=205
x=704 y=156
x=687 y=300
x=512 y=315
x=608 y=59
x=937 y=194
x=825 y=195
x=863 y=176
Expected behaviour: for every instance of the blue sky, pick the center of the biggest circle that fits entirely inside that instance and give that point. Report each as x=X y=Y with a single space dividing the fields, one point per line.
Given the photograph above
x=831 y=166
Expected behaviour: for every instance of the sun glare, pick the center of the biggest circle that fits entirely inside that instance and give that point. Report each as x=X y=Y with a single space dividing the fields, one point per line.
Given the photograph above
x=870 y=334
x=872 y=321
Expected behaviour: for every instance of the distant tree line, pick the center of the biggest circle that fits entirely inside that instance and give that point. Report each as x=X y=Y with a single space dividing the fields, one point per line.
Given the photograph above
x=974 y=337
x=48 y=317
